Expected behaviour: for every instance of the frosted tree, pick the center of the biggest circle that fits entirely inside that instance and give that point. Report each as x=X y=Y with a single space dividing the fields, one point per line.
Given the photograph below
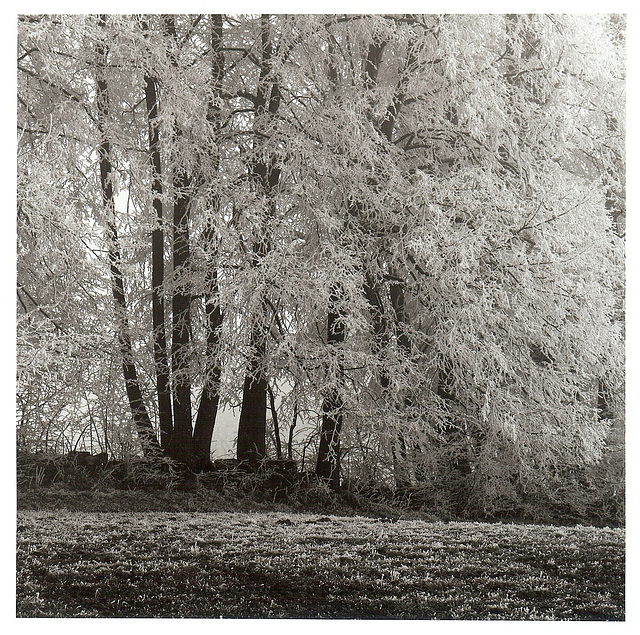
x=412 y=225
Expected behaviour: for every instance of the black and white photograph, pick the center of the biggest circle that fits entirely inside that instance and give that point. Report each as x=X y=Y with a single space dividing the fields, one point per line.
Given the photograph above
x=320 y=315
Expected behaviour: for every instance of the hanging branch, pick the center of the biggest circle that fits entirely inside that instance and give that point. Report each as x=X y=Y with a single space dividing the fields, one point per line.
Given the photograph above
x=35 y=303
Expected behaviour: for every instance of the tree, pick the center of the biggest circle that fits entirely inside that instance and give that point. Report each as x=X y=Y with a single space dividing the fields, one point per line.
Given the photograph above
x=138 y=408
x=328 y=467
x=456 y=167
x=205 y=422
x=181 y=443
x=142 y=49
x=406 y=221
x=163 y=386
x=265 y=175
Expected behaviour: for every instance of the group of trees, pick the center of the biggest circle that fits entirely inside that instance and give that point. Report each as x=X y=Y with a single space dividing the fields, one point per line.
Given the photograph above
x=406 y=229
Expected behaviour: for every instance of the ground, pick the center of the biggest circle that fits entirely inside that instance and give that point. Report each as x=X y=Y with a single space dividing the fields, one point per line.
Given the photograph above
x=284 y=564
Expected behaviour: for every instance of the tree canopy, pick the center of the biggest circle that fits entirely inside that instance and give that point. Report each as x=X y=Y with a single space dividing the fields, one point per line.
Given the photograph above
x=408 y=230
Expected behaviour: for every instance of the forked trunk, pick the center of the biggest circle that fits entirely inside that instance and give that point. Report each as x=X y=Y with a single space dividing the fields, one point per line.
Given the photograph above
x=206 y=419
x=161 y=357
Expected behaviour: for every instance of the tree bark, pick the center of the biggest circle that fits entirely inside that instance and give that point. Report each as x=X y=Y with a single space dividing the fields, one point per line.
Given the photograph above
x=328 y=465
x=161 y=359
x=181 y=444
x=402 y=469
x=144 y=427
x=294 y=422
x=266 y=176
x=210 y=398
x=373 y=290
x=274 y=419
x=253 y=416
x=207 y=411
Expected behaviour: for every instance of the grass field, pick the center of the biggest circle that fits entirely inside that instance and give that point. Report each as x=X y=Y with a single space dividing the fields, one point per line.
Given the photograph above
x=275 y=564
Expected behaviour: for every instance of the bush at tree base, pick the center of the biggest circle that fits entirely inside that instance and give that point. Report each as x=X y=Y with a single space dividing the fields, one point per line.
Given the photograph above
x=593 y=495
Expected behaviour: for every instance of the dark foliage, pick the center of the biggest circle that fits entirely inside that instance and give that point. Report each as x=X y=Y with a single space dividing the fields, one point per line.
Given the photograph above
x=589 y=496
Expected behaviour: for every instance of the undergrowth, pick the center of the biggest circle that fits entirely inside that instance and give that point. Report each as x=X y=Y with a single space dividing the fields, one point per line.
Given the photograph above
x=78 y=482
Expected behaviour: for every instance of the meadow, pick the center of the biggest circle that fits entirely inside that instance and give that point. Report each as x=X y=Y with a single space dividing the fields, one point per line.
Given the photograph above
x=279 y=564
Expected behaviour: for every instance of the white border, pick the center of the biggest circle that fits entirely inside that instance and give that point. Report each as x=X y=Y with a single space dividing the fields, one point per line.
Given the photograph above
x=7 y=314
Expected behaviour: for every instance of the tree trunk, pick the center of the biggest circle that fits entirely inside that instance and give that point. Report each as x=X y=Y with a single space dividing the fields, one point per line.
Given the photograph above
x=207 y=412
x=401 y=463
x=181 y=444
x=294 y=422
x=276 y=427
x=380 y=320
x=328 y=465
x=381 y=334
x=208 y=409
x=253 y=416
x=381 y=323
x=161 y=358
x=143 y=424
x=266 y=176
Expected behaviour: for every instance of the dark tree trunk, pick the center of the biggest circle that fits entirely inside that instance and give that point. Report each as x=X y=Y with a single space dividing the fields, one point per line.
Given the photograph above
x=402 y=468
x=328 y=465
x=457 y=441
x=161 y=359
x=294 y=422
x=380 y=322
x=265 y=176
x=276 y=427
x=207 y=412
x=381 y=334
x=373 y=290
x=253 y=416
x=143 y=424
x=208 y=409
x=401 y=319
x=252 y=425
x=181 y=444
